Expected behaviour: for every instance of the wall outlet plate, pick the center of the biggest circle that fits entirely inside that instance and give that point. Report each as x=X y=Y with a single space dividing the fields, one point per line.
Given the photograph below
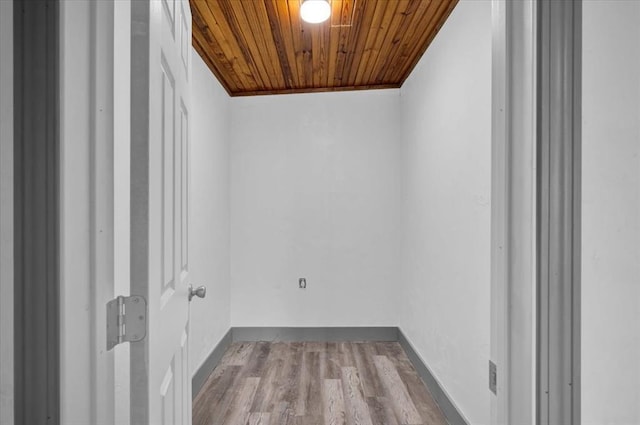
x=493 y=377
x=302 y=283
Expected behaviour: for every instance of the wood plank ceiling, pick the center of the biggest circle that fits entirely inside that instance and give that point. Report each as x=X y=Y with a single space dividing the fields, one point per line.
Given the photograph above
x=264 y=47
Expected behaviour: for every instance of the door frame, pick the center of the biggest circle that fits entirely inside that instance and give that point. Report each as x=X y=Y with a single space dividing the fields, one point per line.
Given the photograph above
x=87 y=31
x=513 y=214
x=559 y=212
x=94 y=152
x=535 y=312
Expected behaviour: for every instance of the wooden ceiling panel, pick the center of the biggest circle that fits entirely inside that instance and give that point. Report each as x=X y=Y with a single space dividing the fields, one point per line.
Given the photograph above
x=264 y=47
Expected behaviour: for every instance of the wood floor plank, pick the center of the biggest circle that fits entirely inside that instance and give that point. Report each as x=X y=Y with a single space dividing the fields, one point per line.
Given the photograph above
x=270 y=390
x=356 y=407
x=317 y=383
x=303 y=385
x=210 y=406
x=345 y=354
x=238 y=354
x=381 y=411
x=397 y=392
x=282 y=414
x=213 y=382
x=290 y=376
x=322 y=358
x=308 y=420
x=424 y=402
x=257 y=361
x=392 y=350
x=422 y=398
x=371 y=384
x=260 y=418
x=266 y=392
x=309 y=398
x=238 y=412
x=333 y=362
x=314 y=346
x=314 y=393
x=333 y=402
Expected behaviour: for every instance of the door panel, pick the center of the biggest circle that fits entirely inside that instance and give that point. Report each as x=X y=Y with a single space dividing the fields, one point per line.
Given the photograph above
x=168 y=187
x=167 y=395
x=184 y=146
x=161 y=380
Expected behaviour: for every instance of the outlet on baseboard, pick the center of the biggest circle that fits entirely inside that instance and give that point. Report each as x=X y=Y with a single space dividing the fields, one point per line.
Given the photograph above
x=302 y=283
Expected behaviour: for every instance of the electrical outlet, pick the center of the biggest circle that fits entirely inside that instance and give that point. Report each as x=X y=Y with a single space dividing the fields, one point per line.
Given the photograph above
x=493 y=377
x=302 y=283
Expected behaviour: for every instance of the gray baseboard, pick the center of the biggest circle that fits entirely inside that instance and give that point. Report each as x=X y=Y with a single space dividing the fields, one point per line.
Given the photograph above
x=316 y=334
x=392 y=333
x=200 y=377
x=448 y=407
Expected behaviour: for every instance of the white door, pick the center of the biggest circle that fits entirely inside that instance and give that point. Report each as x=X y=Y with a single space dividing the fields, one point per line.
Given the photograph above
x=160 y=78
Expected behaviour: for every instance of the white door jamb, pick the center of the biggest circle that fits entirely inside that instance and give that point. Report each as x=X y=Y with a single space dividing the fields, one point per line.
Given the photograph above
x=513 y=215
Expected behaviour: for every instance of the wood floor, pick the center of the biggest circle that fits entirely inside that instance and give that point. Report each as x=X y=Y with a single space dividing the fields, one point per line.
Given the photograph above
x=314 y=383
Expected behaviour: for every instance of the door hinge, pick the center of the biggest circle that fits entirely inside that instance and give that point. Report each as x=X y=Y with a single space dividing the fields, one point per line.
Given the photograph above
x=493 y=377
x=126 y=320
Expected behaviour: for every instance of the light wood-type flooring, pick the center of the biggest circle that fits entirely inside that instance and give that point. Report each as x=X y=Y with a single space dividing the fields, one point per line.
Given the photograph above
x=315 y=383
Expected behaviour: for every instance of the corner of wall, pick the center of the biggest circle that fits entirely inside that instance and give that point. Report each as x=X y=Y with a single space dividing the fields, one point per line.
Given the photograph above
x=446 y=180
x=209 y=245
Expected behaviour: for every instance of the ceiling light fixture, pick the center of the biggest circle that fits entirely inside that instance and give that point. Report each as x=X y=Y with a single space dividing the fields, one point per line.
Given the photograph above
x=315 y=11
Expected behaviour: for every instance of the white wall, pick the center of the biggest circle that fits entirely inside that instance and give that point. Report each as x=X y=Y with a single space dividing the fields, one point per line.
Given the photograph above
x=611 y=213
x=446 y=124
x=315 y=194
x=209 y=215
x=6 y=212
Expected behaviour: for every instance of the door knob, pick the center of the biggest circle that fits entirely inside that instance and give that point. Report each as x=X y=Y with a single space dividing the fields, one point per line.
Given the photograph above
x=200 y=291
